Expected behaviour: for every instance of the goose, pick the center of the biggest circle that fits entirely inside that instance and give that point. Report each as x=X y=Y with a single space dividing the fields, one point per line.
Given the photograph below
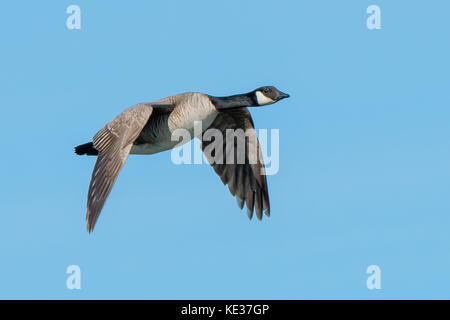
x=147 y=128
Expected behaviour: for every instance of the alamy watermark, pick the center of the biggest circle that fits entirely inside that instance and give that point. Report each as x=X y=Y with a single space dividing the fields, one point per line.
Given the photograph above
x=231 y=146
x=374 y=280
x=374 y=20
x=74 y=279
x=74 y=20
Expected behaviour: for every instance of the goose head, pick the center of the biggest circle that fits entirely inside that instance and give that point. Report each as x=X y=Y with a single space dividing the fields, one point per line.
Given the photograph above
x=268 y=95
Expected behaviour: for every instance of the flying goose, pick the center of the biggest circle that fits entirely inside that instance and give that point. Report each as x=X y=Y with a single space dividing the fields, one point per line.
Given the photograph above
x=146 y=128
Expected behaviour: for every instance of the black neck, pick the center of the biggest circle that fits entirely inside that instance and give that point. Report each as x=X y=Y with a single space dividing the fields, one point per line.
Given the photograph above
x=236 y=101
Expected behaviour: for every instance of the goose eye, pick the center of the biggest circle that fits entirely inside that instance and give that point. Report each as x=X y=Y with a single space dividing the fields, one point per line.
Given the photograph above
x=266 y=90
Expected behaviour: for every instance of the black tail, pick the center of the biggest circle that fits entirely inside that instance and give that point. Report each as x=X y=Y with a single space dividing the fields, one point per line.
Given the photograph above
x=87 y=149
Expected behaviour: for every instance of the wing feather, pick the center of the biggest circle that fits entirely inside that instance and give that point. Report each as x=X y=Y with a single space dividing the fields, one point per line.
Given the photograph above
x=246 y=181
x=113 y=143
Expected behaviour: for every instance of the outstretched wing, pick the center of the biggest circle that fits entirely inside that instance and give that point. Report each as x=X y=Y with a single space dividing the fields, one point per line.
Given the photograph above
x=246 y=179
x=113 y=143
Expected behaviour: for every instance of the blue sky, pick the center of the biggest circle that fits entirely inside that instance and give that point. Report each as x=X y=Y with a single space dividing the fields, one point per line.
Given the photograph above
x=364 y=150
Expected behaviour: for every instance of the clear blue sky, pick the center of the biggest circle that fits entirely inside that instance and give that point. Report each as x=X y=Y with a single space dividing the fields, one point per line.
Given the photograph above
x=364 y=150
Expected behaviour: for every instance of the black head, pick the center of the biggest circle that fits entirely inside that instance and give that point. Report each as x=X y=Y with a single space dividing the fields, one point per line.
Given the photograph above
x=269 y=95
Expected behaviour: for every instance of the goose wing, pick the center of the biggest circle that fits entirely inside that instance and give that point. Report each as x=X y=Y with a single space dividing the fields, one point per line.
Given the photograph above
x=246 y=179
x=113 y=143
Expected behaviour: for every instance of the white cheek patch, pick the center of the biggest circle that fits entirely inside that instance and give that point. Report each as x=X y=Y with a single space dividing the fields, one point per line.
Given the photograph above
x=262 y=99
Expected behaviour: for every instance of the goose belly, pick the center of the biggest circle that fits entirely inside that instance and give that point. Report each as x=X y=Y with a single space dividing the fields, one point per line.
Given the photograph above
x=157 y=134
x=154 y=147
x=155 y=137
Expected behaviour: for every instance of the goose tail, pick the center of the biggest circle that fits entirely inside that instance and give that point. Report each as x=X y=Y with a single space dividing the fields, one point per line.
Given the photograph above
x=87 y=149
